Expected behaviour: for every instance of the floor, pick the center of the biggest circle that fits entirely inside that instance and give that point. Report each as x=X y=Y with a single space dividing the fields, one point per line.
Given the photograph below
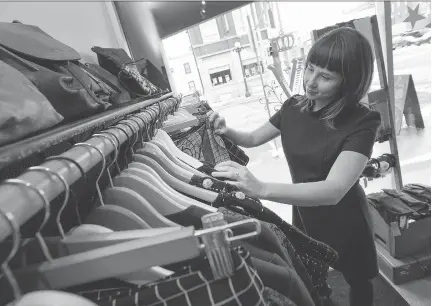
x=384 y=294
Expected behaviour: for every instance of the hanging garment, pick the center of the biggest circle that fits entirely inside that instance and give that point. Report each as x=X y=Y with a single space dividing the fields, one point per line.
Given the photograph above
x=275 y=275
x=289 y=251
x=317 y=269
x=283 y=280
x=274 y=298
x=316 y=256
x=212 y=184
x=231 y=196
x=266 y=240
x=194 y=285
x=202 y=143
x=313 y=287
x=207 y=168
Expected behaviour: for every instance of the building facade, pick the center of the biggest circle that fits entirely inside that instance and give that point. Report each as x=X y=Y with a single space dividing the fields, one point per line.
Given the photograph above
x=223 y=70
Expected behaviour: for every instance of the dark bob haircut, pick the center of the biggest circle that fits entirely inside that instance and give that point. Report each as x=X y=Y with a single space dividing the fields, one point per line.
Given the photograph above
x=345 y=51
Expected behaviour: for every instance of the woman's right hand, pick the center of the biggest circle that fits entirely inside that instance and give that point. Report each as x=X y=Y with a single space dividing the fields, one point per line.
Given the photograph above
x=218 y=123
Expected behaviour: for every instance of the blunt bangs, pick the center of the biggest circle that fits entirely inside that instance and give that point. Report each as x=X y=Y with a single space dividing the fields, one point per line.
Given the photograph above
x=328 y=54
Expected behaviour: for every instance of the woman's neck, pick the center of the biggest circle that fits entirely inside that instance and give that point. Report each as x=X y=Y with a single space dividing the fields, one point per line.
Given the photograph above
x=319 y=104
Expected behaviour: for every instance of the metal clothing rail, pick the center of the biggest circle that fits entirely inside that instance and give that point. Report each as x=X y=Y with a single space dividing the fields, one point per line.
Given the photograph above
x=23 y=203
x=25 y=148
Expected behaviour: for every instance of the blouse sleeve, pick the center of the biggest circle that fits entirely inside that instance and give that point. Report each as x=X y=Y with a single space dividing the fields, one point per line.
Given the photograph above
x=276 y=118
x=362 y=139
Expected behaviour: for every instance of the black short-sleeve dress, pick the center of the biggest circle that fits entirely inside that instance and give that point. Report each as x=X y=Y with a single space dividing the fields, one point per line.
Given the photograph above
x=311 y=150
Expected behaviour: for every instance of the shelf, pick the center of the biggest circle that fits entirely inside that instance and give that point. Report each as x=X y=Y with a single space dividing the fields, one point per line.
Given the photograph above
x=22 y=149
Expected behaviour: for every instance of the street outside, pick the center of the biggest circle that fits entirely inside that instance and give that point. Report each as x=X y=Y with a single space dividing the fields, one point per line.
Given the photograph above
x=414 y=145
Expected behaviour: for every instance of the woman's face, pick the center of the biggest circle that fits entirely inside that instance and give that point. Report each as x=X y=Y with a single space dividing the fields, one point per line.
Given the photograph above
x=321 y=85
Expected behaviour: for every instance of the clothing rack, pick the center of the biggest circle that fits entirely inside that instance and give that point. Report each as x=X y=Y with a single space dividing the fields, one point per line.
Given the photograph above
x=23 y=203
x=22 y=149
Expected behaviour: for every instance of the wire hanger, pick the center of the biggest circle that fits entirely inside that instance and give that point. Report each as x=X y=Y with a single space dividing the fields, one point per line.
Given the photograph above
x=73 y=246
x=166 y=139
x=143 y=171
x=42 y=297
x=136 y=195
x=16 y=238
x=84 y=144
x=124 y=258
x=166 y=150
x=83 y=175
x=45 y=201
x=153 y=151
x=66 y=196
x=140 y=127
x=158 y=203
x=134 y=135
x=111 y=216
x=101 y=135
x=174 y=159
x=127 y=139
x=193 y=191
x=118 y=148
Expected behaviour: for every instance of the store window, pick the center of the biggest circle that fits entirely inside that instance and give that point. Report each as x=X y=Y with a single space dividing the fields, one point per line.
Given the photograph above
x=264 y=34
x=253 y=69
x=187 y=68
x=192 y=86
x=226 y=23
x=239 y=21
x=209 y=31
x=220 y=77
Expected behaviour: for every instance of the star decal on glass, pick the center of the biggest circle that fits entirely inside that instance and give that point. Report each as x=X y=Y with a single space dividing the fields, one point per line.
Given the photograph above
x=413 y=16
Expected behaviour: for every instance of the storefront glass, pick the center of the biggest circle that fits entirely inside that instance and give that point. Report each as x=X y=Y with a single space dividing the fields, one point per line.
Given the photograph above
x=219 y=63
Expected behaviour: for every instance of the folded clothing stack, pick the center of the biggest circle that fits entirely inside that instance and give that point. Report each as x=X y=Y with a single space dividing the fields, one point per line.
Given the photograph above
x=412 y=202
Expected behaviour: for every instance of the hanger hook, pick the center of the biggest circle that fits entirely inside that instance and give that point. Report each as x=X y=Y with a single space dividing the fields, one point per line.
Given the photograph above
x=16 y=241
x=84 y=144
x=159 y=114
x=135 y=139
x=140 y=127
x=47 y=215
x=66 y=197
x=157 y=120
x=116 y=147
x=143 y=128
x=83 y=174
x=138 y=130
x=147 y=118
x=101 y=135
x=150 y=113
x=127 y=139
x=153 y=124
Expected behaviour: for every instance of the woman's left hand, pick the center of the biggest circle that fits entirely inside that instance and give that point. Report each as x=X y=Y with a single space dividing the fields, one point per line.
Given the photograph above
x=241 y=177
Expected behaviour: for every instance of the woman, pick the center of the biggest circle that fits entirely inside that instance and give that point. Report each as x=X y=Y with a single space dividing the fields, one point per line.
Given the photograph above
x=327 y=137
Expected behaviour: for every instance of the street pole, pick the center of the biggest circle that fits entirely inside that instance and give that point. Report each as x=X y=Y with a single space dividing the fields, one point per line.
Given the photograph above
x=261 y=77
x=247 y=93
x=196 y=63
